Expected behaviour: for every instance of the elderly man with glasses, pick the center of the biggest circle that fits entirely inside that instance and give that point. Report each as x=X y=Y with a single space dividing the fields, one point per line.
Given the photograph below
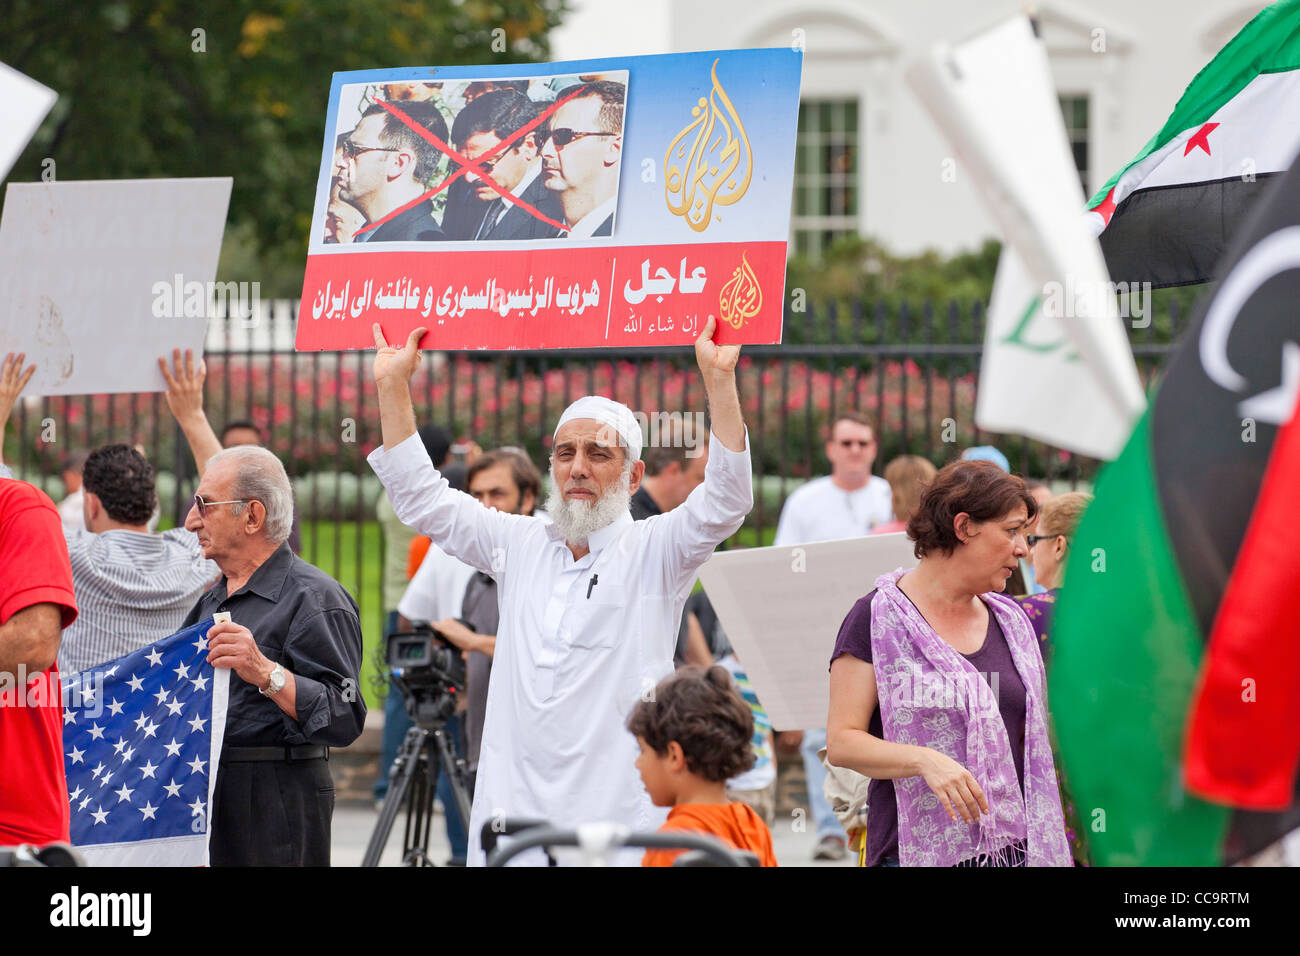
x=294 y=643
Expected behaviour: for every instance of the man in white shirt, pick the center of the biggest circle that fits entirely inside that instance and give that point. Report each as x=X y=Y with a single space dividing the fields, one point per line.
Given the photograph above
x=581 y=155
x=590 y=604
x=847 y=503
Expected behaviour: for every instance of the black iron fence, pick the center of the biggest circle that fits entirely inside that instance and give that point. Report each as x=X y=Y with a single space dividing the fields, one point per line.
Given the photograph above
x=914 y=371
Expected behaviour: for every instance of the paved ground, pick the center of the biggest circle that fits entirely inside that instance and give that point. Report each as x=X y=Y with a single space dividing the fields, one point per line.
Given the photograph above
x=353 y=826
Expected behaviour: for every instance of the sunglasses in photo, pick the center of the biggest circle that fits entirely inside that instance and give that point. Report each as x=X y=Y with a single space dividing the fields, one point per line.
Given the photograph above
x=564 y=136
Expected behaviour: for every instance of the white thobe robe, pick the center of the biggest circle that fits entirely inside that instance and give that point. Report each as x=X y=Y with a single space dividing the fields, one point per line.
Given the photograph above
x=579 y=642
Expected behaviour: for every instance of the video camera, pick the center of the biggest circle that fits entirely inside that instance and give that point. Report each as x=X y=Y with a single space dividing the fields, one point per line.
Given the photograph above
x=429 y=670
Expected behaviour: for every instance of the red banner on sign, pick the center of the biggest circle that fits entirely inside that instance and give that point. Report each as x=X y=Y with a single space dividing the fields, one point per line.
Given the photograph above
x=626 y=296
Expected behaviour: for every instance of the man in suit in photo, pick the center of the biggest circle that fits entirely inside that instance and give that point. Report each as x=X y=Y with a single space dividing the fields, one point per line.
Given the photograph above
x=480 y=127
x=384 y=165
x=581 y=155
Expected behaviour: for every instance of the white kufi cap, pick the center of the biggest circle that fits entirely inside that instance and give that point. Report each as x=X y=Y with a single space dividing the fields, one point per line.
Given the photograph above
x=608 y=412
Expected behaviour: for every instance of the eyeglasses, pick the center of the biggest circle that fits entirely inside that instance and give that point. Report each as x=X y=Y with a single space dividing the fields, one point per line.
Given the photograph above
x=204 y=505
x=1033 y=539
x=563 y=136
x=351 y=150
x=851 y=442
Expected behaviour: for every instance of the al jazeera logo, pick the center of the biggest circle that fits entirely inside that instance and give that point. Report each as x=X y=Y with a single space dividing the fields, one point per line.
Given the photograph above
x=709 y=164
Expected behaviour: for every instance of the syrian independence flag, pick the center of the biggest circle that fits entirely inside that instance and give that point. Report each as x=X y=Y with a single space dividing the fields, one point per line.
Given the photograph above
x=1175 y=687
x=1168 y=216
x=142 y=739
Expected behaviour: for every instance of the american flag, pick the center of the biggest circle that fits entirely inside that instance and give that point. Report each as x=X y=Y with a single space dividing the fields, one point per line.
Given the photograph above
x=141 y=739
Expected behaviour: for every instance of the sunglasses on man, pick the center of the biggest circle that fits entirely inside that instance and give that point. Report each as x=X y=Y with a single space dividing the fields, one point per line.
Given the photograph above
x=563 y=136
x=203 y=505
x=352 y=150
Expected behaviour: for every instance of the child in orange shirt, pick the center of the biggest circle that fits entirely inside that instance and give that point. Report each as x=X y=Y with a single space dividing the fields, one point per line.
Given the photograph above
x=695 y=734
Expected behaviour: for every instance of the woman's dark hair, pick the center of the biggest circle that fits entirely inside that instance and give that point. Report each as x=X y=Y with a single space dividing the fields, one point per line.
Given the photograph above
x=123 y=481
x=980 y=488
x=701 y=710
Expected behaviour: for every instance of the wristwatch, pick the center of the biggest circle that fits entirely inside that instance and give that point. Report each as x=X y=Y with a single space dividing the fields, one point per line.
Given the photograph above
x=276 y=683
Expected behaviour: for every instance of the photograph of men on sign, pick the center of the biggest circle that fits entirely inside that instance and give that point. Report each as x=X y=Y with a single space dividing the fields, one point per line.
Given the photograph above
x=470 y=160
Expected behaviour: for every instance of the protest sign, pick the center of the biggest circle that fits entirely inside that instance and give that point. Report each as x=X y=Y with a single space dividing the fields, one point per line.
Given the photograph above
x=615 y=202
x=98 y=279
x=782 y=608
x=23 y=104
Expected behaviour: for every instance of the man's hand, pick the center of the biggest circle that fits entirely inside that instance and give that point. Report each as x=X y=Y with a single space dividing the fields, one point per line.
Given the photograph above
x=232 y=645
x=718 y=368
x=393 y=370
x=185 y=399
x=12 y=381
x=715 y=359
x=393 y=365
x=184 y=384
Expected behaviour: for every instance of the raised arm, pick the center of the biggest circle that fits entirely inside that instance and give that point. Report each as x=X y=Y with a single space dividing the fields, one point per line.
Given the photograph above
x=718 y=367
x=420 y=496
x=393 y=370
x=185 y=399
x=12 y=382
x=716 y=509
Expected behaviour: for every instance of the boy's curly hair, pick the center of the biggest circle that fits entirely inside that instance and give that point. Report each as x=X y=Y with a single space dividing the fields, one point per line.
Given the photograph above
x=701 y=710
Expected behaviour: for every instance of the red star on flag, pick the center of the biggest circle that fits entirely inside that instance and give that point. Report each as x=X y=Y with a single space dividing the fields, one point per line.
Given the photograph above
x=1201 y=138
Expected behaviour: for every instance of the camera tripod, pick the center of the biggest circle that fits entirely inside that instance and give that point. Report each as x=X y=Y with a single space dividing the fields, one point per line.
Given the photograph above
x=412 y=782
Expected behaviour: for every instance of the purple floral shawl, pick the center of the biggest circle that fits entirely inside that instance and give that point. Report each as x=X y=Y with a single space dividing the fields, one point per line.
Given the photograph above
x=931 y=696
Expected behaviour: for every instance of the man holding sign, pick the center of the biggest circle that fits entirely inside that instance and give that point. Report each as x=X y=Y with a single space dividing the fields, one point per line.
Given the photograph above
x=590 y=604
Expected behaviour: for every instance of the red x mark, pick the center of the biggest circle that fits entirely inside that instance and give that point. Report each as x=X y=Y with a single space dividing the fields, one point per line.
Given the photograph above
x=474 y=165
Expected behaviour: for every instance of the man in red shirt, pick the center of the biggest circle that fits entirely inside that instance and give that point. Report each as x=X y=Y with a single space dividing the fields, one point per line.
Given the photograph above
x=36 y=603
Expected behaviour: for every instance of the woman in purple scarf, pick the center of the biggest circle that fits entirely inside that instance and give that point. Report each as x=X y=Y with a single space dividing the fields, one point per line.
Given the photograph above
x=939 y=695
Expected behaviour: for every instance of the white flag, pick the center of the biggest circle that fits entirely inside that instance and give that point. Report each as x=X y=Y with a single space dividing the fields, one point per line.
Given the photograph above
x=1063 y=373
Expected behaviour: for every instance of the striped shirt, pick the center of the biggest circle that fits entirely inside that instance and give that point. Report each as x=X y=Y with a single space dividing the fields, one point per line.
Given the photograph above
x=132 y=589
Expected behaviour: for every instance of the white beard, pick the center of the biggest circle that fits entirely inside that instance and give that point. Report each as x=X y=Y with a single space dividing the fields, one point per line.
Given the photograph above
x=578 y=520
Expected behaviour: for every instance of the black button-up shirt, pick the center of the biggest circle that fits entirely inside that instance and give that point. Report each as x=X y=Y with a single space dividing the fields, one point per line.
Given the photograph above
x=302 y=618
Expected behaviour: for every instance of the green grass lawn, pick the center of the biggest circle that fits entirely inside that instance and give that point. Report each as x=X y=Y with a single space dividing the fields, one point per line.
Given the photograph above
x=334 y=549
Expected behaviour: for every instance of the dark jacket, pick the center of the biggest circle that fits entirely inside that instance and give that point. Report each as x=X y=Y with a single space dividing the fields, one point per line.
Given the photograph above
x=414 y=225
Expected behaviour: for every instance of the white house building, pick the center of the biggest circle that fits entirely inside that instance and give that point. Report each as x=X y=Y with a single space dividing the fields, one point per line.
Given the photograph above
x=869 y=160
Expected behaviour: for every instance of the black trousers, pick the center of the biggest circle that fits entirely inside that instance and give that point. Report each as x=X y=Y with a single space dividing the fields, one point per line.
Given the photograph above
x=272 y=813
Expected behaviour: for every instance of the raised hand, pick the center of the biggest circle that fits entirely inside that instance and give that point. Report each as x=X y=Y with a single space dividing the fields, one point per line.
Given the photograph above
x=715 y=359
x=393 y=365
x=12 y=382
x=184 y=384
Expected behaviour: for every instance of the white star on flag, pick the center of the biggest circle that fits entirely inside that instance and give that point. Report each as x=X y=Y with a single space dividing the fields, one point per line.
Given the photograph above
x=154 y=657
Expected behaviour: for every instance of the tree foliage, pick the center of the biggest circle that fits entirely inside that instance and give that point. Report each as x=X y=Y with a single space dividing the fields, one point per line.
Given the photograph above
x=161 y=88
